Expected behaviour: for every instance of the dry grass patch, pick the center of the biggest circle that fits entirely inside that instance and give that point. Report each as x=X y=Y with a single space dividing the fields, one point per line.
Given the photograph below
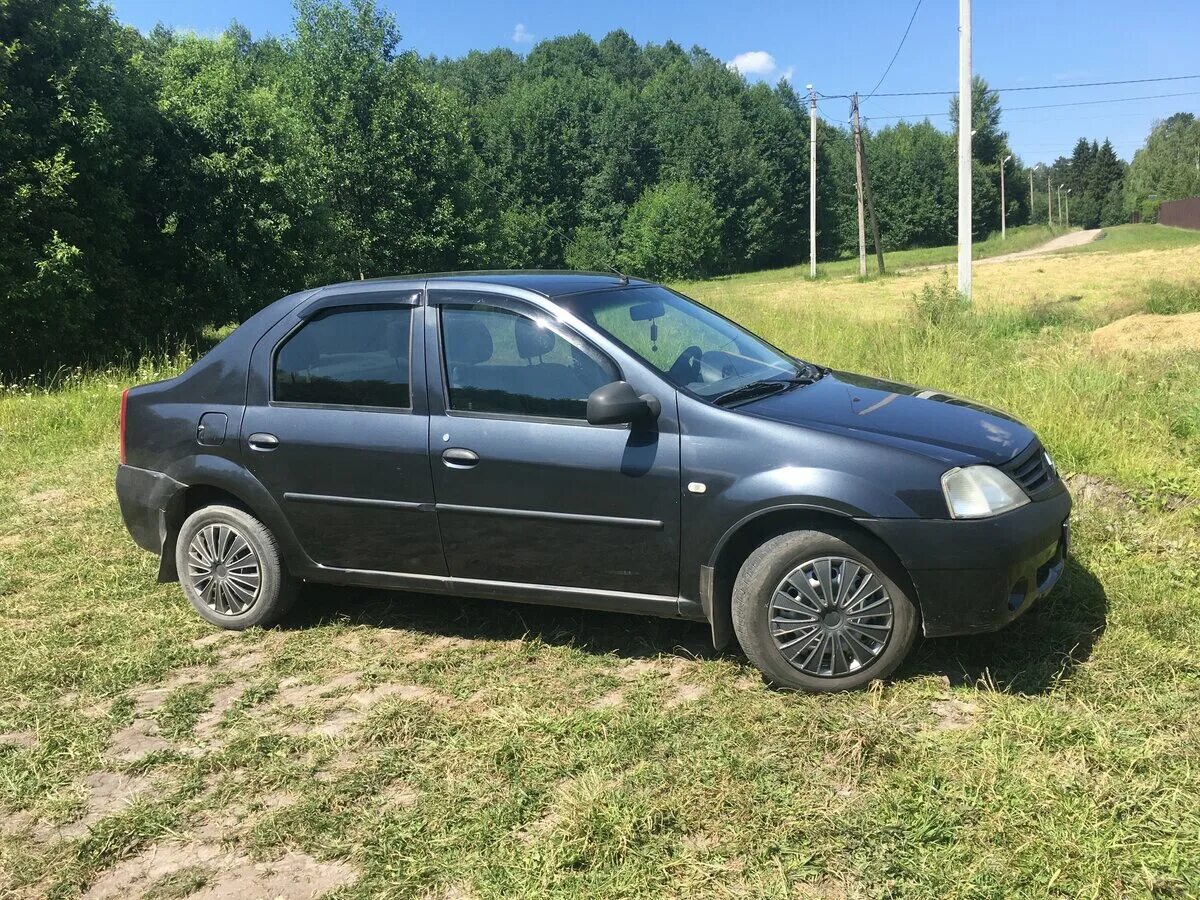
x=1148 y=333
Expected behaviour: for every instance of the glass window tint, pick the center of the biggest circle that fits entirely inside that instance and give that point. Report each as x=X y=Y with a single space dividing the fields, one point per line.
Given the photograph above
x=500 y=361
x=352 y=357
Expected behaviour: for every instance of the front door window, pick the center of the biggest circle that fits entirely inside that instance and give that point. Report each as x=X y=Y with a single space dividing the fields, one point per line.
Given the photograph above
x=504 y=362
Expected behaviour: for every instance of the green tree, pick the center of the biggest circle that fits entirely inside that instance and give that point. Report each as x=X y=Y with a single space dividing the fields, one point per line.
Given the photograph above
x=248 y=232
x=1167 y=167
x=989 y=145
x=915 y=184
x=671 y=232
x=87 y=253
x=387 y=153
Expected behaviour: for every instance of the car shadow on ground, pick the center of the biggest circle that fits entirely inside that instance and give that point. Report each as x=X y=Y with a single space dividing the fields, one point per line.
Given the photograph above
x=1031 y=656
x=604 y=633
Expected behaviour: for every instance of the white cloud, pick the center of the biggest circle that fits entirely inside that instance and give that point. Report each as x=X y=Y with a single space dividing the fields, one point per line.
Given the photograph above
x=753 y=62
x=520 y=35
x=788 y=74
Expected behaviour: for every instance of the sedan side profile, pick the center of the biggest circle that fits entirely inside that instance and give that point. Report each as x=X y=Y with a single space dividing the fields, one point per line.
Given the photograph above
x=592 y=441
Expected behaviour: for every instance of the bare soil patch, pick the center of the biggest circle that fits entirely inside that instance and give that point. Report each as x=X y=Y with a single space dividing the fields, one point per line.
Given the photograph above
x=221 y=825
x=1090 y=489
x=347 y=708
x=227 y=875
x=22 y=739
x=108 y=793
x=223 y=700
x=400 y=794
x=138 y=739
x=1147 y=333
x=952 y=714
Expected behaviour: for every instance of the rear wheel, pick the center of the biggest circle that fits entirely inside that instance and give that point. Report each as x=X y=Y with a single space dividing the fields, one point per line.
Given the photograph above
x=231 y=569
x=822 y=612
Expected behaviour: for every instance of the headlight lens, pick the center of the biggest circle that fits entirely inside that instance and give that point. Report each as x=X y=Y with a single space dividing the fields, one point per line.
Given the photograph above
x=980 y=491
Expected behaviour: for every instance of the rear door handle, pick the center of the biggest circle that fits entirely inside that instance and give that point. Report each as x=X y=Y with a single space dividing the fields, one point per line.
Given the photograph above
x=458 y=458
x=260 y=440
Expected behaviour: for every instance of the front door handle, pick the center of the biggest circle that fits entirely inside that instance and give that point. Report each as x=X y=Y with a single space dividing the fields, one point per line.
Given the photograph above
x=458 y=458
x=260 y=440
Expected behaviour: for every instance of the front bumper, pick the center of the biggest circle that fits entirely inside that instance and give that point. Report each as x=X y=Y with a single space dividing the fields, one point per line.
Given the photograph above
x=144 y=498
x=975 y=576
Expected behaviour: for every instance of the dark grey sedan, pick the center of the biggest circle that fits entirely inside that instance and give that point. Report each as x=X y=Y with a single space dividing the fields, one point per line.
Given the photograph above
x=593 y=441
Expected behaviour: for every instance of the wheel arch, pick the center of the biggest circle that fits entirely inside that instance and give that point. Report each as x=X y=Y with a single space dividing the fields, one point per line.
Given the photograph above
x=230 y=486
x=751 y=532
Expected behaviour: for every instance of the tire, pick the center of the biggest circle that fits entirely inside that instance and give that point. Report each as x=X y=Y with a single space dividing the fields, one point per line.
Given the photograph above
x=840 y=647
x=232 y=544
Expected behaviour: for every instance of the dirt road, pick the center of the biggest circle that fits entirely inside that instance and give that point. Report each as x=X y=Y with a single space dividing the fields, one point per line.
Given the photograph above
x=1062 y=242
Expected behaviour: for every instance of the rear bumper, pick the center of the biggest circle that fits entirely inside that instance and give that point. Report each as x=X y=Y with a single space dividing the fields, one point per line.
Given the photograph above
x=144 y=498
x=978 y=576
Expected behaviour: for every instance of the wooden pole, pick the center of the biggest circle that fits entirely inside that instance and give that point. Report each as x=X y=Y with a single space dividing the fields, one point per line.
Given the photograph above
x=858 y=184
x=871 y=209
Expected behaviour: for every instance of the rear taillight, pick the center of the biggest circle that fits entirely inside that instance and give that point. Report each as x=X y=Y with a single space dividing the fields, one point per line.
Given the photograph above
x=121 y=427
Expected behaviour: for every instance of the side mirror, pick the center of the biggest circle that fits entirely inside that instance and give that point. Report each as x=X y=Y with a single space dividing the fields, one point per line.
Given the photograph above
x=618 y=403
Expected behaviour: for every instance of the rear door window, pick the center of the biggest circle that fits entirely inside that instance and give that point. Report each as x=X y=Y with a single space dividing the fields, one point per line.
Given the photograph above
x=348 y=357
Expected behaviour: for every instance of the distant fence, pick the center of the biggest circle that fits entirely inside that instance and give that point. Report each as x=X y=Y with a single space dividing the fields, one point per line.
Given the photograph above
x=1180 y=213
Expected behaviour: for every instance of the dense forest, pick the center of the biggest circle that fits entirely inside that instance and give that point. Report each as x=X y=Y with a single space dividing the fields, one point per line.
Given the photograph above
x=155 y=184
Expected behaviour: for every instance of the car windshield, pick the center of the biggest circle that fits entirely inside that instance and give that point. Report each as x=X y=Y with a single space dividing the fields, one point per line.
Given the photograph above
x=692 y=346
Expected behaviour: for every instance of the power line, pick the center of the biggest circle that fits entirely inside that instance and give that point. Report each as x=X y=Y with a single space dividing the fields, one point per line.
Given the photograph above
x=1113 y=100
x=1038 y=87
x=911 y=19
x=1053 y=105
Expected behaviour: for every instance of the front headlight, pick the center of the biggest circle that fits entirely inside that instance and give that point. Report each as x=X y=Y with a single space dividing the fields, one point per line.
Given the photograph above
x=980 y=491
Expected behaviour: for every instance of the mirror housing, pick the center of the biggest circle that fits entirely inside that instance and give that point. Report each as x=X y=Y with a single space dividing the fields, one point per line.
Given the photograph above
x=617 y=403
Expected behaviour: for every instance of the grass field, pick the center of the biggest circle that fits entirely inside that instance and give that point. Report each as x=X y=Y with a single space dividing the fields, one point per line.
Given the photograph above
x=1023 y=237
x=426 y=747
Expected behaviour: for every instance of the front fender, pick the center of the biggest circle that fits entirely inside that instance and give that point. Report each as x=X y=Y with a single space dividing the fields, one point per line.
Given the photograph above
x=798 y=488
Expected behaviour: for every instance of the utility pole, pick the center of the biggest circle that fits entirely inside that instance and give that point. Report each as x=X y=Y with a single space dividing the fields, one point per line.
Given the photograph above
x=1049 y=200
x=1060 y=215
x=964 y=148
x=1031 y=171
x=812 y=182
x=871 y=209
x=1068 y=207
x=858 y=183
x=1003 y=210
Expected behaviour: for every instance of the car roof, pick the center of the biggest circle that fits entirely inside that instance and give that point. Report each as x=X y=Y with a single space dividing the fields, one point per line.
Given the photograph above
x=547 y=282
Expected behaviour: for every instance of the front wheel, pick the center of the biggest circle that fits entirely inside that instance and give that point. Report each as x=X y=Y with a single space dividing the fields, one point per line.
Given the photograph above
x=231 y=569
x=819 y=612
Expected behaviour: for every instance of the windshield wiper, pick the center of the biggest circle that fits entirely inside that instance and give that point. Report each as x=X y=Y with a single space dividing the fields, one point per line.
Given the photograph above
x=766 y=386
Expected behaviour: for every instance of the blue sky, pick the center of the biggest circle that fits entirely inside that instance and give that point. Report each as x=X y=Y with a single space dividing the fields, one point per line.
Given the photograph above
x=839 y=47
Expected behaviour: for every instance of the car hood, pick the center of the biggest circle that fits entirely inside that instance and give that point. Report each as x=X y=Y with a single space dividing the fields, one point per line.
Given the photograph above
x=950 y=428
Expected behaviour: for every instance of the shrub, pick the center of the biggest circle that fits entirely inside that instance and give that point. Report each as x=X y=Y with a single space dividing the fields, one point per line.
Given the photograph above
x=590 y=249
x=671 y=233
x=940 y=303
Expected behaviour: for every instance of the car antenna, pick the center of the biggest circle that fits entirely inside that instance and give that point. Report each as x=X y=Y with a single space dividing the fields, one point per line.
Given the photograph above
x=545 y=221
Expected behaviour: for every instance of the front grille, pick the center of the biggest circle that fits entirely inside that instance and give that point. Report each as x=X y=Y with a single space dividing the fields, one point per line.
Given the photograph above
x=1031 y=470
